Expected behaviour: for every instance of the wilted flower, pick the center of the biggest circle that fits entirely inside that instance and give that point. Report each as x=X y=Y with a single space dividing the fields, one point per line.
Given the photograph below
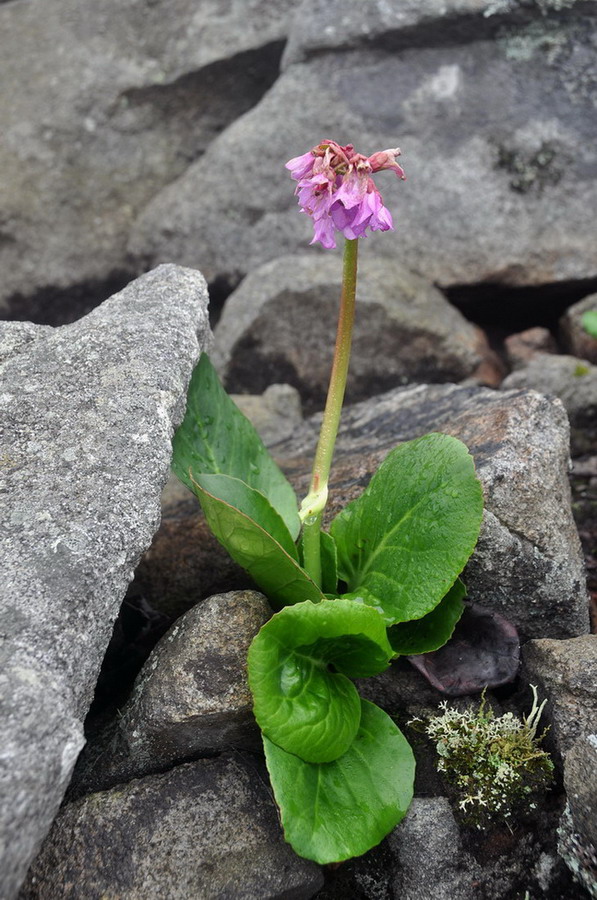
x=335 y=188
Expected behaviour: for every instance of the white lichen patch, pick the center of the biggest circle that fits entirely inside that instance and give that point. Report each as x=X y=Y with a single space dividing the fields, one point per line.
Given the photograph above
x=495 y=763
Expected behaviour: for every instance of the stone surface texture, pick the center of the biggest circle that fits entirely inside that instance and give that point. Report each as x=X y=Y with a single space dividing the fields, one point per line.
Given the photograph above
x=275 y=413
x=527 y=564
x=136 y=92
x=574 y=336
x=204 y=830
x=574 y=381
x=88 y=411
x=580 y=779
x=520 y=348
x=566 y=673
x=192 y=696
x=280 y=323
x=427 y=88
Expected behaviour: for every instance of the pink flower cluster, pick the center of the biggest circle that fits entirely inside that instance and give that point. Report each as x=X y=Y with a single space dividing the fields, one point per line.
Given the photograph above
x=335 y=188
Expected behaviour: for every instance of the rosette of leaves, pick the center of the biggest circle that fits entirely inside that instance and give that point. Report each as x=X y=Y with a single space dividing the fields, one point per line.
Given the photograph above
x=341 y=770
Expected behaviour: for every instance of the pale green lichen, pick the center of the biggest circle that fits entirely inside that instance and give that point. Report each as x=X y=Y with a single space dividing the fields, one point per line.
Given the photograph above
x=495 y=764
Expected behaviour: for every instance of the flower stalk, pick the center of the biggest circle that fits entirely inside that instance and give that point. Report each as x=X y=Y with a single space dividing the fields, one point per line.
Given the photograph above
x=312 y=507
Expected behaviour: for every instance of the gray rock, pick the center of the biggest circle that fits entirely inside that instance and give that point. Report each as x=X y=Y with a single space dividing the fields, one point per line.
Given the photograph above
x=574 y=381
x=275 y=413
x=580 y=781
x=528 y=564
x=192 y=694
x=520 y=348
x=205 y=830
x=566 y=673
x=575 y=338
x=433 y=865
x=579 y=855
x=88 y=412
x=136 y=92
x=479 y=187
x=339 y=24
x=280 y=323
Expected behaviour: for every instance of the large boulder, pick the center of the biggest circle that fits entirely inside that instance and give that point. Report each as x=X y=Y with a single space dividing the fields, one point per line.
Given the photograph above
x=280 y=323
x=479 y=187
x=205 y=829
x=88 y=412
x=102 y=106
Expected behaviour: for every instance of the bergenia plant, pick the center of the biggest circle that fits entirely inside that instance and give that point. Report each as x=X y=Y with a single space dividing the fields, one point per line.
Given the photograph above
x=383 y=581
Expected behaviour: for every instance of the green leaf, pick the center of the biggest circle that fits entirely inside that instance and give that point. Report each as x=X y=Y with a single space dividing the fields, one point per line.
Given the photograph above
x=433 y=630
x=271 y=567
x=250 y=502
x=589 y=322
x=404 y=541
x=298 y=666
x=329 y=563
x=216 y=438
x=333 y=811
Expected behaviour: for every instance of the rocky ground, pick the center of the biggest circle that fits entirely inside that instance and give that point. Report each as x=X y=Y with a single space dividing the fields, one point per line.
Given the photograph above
x=156 y=132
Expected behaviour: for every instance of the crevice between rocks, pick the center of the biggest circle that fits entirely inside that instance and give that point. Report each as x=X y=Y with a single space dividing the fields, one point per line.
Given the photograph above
x=61 y=306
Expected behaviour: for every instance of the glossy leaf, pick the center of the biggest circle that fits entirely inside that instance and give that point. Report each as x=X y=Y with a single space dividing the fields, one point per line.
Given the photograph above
x=402 y=544
x=250 y=502
x=433 y=630
x=298 y=666
x=271 y=567
x=333 y=811
x=215 y=438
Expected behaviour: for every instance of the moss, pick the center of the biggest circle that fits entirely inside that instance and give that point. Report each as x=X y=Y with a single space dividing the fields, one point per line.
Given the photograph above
x=580 y=369
x=495 y=765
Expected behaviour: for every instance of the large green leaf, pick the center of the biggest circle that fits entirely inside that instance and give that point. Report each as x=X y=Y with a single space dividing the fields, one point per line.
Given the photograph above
x=333 y=811
x=298 y=666
x=433 y=630
x=404 y=541
x=272 y=568
x=216 y=438
x=252 y=503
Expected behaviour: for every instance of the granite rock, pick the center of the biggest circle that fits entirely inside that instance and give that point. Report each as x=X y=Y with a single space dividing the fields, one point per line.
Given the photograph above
x=88 y=411
x=280 y=324
x=520 y=348
x=480 y=186
x=566 y=673
x=275 y=413
x=580 y=780
x=528 y=564
x=574 y=381
x=205 y=830
x=192 y=695
x=136 y=91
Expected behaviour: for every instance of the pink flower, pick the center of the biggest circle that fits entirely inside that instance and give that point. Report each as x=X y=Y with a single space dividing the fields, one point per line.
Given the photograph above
x=335 y=188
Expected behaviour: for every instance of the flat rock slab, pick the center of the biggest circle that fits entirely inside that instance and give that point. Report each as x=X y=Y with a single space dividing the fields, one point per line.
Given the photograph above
x=528 y=564
x=204 y=830
x=88 y=412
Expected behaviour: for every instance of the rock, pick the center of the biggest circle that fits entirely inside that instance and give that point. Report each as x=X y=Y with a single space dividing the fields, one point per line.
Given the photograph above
x=580 y=780
x=433 y=865
x=280 y=323
x=275 y=413
x=137 y=92
x=88 y=411
x=566 y=673
x=204 y=830
x=574 y=381
x=520 y=348
x=575 y=338
x=427 y=89
x=528 y=564
x=192 y=696
x=579 y=856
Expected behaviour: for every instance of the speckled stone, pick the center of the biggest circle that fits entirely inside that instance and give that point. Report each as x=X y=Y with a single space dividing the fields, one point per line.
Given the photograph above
x=204 y=830
x=88 y=412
